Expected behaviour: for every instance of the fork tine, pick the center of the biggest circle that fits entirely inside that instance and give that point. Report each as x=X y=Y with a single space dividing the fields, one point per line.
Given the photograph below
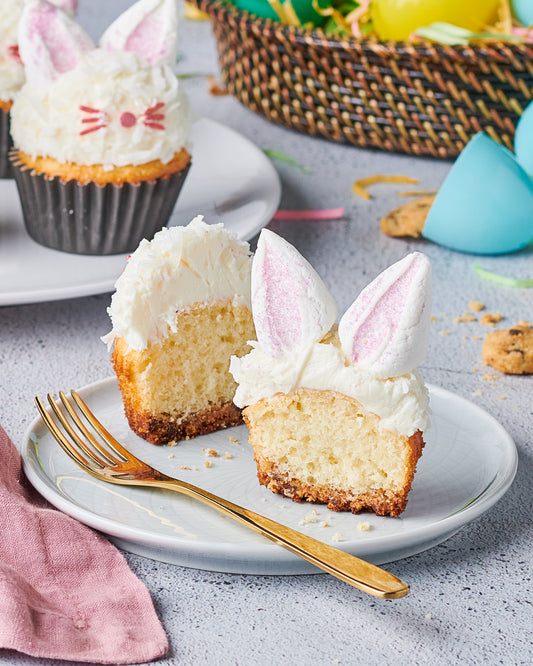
x=93 y=441
x=105 y=434
x=73 y=434
x=63 y=442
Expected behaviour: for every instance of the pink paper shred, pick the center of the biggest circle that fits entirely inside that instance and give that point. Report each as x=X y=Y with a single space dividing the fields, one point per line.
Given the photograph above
x=316 y=214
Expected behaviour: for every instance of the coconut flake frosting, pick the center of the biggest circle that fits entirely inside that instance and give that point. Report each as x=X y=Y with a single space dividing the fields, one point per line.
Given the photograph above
x=180 y=266
x=116 y=105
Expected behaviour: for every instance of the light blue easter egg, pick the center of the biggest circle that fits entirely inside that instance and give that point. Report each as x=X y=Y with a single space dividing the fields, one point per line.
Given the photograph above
x=485 y=205
x=523 y=139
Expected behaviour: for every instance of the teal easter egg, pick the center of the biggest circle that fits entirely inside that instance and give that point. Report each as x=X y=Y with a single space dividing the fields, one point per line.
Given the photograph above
x=485 y=205
x=303 y=8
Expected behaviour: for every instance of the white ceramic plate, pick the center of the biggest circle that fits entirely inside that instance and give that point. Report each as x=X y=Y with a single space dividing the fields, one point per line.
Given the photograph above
x=230 y=181
x=468 y=463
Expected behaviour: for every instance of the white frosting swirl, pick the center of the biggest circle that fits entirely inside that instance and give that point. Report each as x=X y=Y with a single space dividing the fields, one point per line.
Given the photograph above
x=400 y=402
x=179 y=267
x=48 y=120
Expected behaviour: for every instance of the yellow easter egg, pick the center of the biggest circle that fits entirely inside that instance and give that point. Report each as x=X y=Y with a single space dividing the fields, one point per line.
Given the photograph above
x=397 y=19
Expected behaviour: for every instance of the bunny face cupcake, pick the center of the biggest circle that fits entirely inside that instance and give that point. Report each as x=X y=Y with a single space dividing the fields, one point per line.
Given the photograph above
x=336 y=414
x=11 y=68
x=100 y=132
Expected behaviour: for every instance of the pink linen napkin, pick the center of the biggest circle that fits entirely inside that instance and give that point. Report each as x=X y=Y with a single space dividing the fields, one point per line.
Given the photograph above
x=65 y=591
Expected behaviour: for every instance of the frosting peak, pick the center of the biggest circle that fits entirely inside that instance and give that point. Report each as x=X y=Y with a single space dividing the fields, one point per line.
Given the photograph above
x=178 y=267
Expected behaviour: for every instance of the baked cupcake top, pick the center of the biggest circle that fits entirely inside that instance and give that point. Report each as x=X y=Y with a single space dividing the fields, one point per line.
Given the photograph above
x=372 y=357
x=180 y=266
x=117 y=104
x=11 y=68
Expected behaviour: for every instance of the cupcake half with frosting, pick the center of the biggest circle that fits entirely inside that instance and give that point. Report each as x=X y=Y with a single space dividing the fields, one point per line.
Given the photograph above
x=100 y=132
x=12 y=76
x=336 y=414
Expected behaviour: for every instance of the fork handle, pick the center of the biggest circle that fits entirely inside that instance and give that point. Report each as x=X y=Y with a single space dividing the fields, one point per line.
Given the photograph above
x=362 y=575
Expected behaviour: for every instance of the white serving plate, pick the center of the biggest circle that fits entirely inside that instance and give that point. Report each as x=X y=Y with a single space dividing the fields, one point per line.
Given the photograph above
x=468 y=463
x=231 y=181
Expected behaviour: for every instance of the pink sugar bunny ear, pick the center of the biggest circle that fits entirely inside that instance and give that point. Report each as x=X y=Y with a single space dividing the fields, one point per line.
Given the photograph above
x=68 y=6
x=386 y=330
x=149 y=28
x=291 y=306
x=50 y=43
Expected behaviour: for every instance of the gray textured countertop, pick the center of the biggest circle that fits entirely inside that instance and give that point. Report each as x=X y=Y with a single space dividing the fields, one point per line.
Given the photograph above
x=471 y=595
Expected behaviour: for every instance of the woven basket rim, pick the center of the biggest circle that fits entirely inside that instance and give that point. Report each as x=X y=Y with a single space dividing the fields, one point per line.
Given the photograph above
x=502 y=52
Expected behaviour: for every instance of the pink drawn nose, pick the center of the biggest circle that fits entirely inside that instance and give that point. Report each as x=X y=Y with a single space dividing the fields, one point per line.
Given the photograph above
x=127 y=119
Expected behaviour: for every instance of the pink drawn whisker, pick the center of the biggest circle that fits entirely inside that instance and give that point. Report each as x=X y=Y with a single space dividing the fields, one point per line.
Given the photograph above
x=89 y=109
x=157 y=126
x=92 y=129
x=90 y=120
x=155 y=116
x=154 y=108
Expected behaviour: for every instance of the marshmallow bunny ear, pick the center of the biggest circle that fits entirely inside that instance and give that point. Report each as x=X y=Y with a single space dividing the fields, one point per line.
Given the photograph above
x=149 y=28
x=291 y=306
x=386 y=330
x=50 y=43
x=68 y=6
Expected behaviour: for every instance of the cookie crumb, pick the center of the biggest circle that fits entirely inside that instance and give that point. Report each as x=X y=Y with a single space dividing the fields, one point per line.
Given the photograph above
x=338 y=536
x=324 y=523
x=184 y=467
x=501 y=397
x=364 y=527
x=466 y=316
x=234 y=440
x=433 y=318
x=476 y=306
x=170 y=456
x=208 y=463
x=228 y=456
x=490 y=319
x=444 y=332
x=173 y=443
x=489 y=378
x=211 y=452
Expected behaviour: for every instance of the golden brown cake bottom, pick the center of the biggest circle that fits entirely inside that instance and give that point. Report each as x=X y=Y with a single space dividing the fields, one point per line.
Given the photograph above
x=163 y=428
x=322 y=447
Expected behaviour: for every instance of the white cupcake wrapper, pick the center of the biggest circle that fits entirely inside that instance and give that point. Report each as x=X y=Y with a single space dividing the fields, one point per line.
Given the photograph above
x=94 y=219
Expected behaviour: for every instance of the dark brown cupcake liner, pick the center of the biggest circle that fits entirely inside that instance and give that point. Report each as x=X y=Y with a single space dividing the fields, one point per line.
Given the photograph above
x=6 y=145
x=94 y=219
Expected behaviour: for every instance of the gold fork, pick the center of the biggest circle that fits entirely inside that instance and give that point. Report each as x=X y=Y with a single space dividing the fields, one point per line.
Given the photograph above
x=108 y=460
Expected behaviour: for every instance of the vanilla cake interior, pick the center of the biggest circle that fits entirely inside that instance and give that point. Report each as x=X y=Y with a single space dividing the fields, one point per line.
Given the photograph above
x=322 y=446
x=181 y=386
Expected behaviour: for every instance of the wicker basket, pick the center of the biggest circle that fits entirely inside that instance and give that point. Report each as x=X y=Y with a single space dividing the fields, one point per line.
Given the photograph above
x=427 y=99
